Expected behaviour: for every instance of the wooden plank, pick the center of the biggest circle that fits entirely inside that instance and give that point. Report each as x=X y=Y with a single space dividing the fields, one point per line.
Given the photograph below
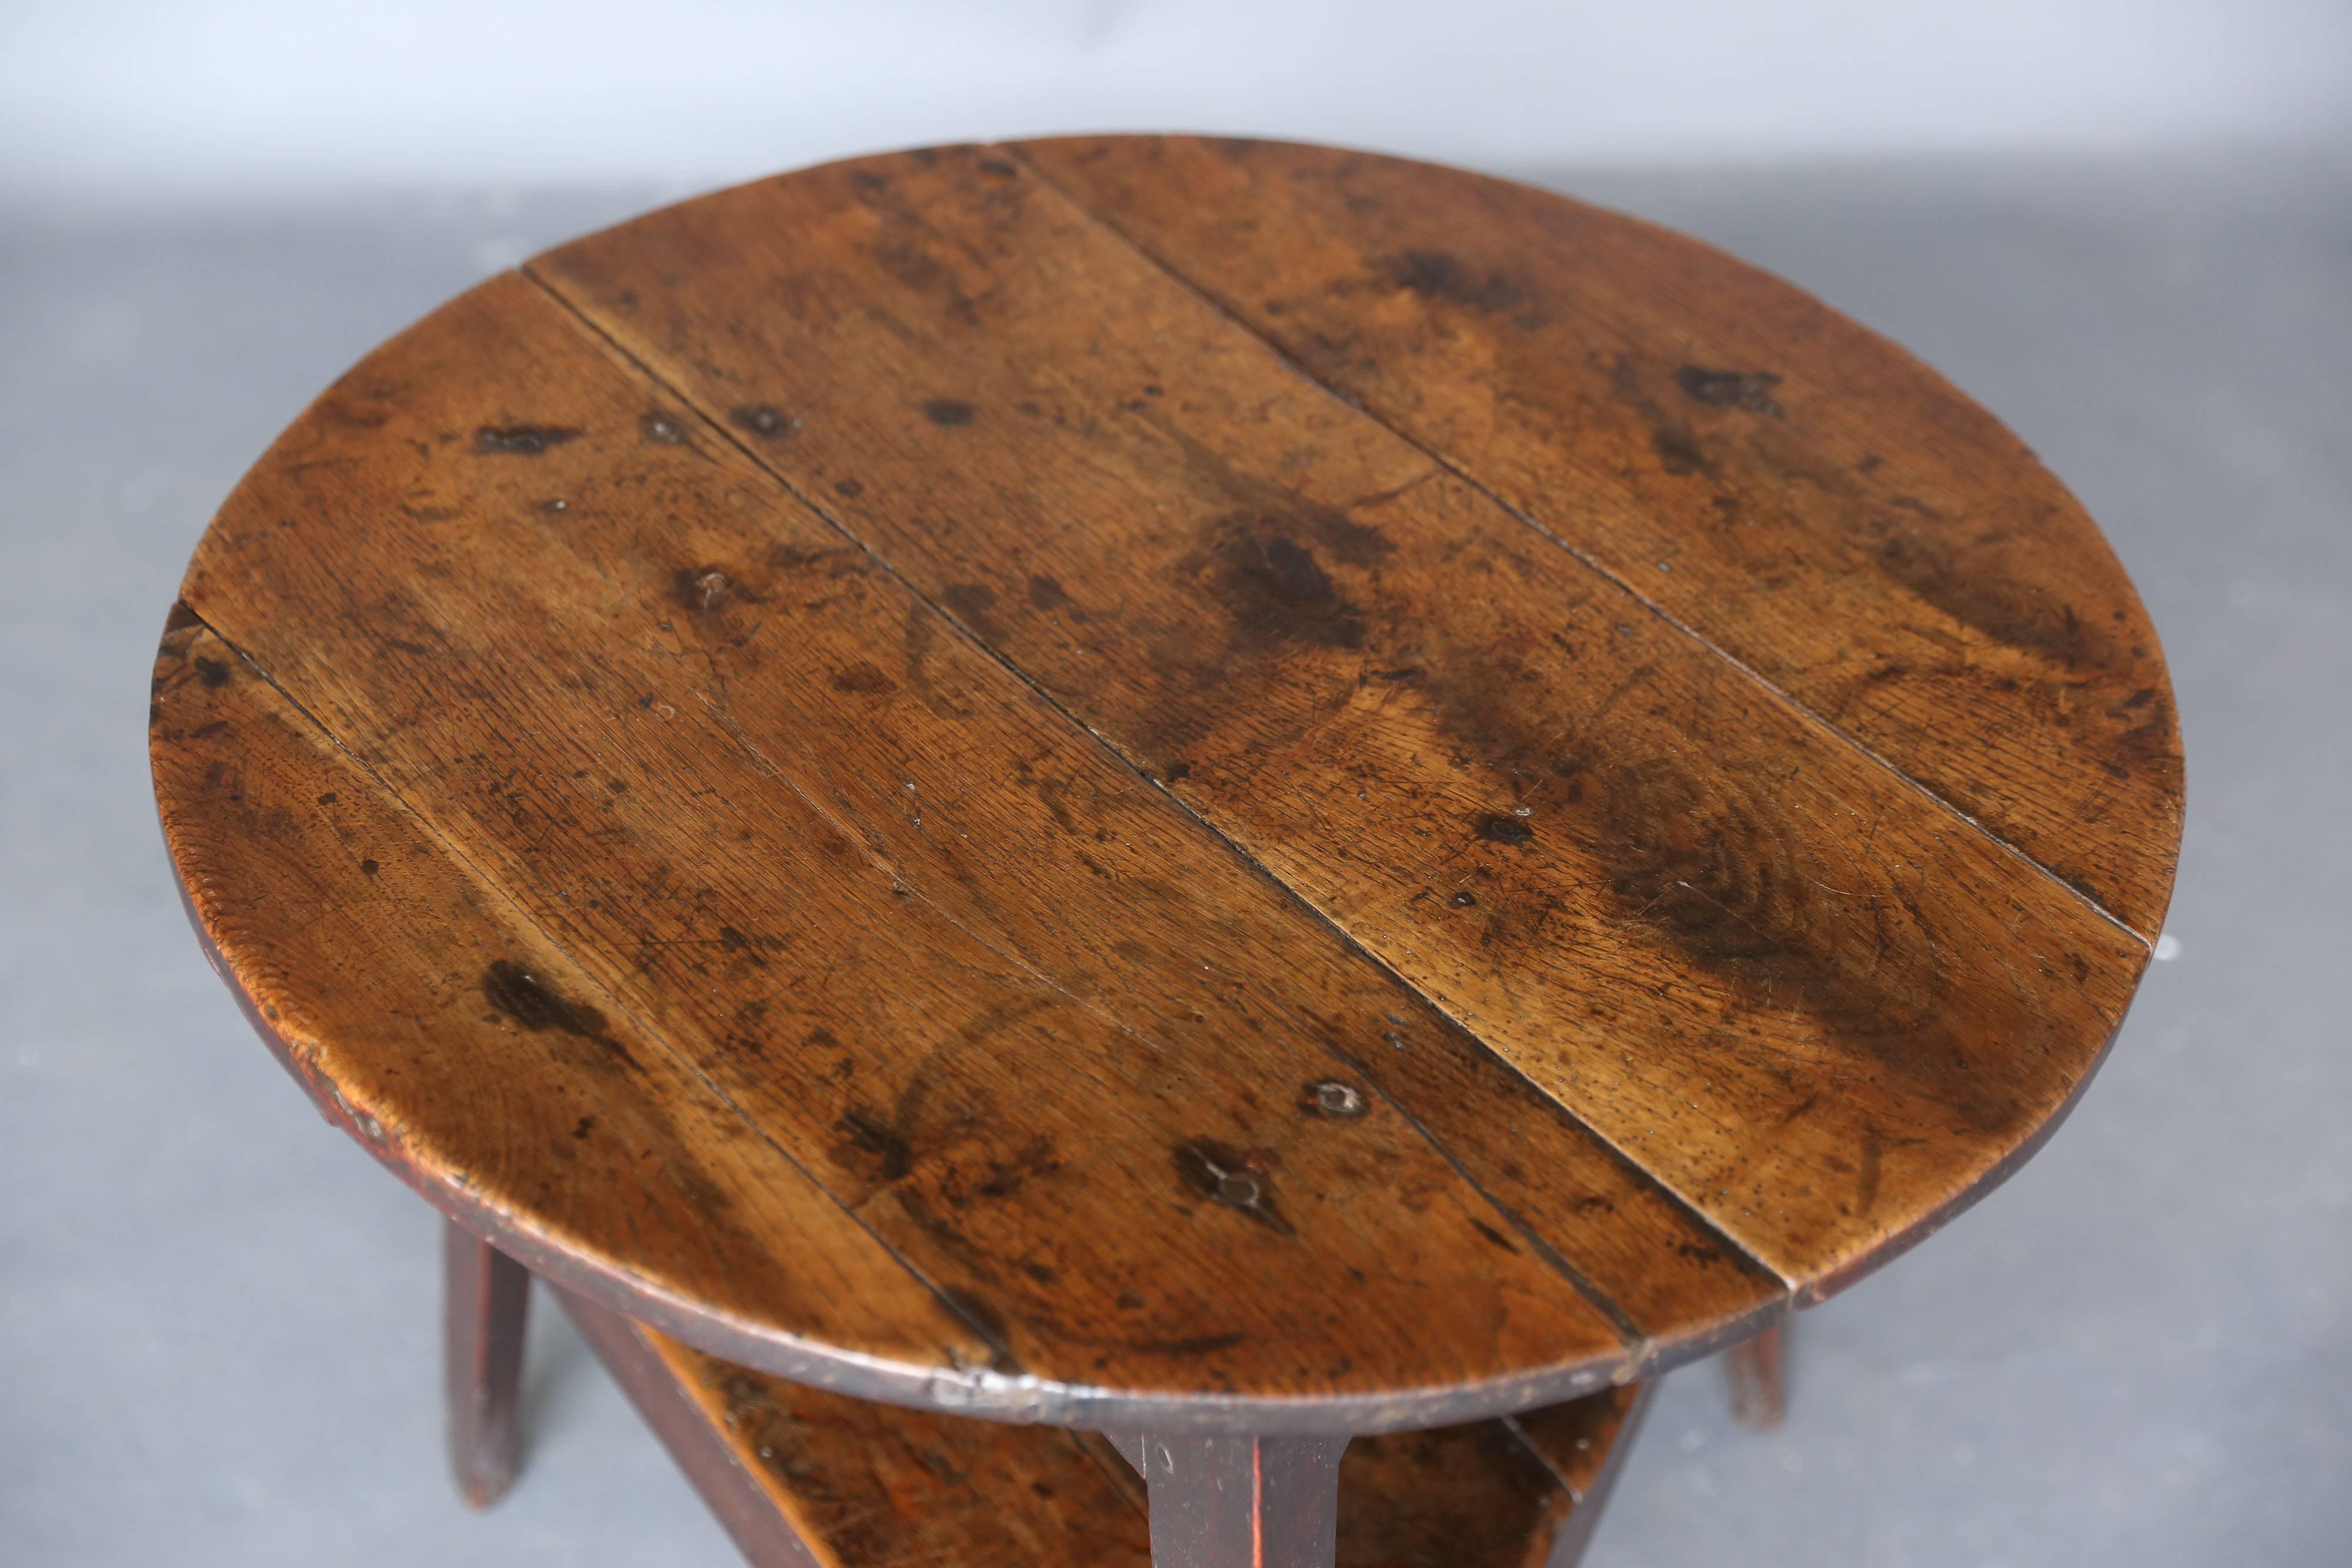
x=1805 y=494
x=843 y=1483
x=1821 y=1007
x=444 y=1033
x=1143 y=1206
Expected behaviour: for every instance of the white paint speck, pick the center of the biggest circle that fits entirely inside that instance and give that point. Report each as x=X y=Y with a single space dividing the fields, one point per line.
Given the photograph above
x=2167 y=948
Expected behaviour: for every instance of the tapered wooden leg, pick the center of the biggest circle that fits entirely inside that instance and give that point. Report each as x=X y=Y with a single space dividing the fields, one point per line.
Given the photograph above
x=486 y=1297
x=1240 y=1501
x=1759 y=1394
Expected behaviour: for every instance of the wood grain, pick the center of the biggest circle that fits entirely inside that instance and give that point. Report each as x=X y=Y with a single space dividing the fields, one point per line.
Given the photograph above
x=1140 y=1159
x=366 y=951
x=1800 y=492
x=1819 y=1005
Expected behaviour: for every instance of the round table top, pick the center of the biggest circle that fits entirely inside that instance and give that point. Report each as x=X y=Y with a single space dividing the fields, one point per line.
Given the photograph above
x=1162 y=782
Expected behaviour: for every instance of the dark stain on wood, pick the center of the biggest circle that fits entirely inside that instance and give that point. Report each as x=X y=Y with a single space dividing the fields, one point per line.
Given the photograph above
x=520 y=440
x=870 y=1134
x=1274 y=590
x=534 y=1004
x=2033 y=620
x=974 y=604
x=1436 y=275
x=1749 y=390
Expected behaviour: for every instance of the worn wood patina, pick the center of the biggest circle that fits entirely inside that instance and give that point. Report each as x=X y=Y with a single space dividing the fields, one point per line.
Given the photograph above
x=1206 y=791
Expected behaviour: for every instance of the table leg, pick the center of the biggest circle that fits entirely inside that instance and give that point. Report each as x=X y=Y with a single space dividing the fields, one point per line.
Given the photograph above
x=486 y=1296
x=1245 y=1501
x=1759 y=1392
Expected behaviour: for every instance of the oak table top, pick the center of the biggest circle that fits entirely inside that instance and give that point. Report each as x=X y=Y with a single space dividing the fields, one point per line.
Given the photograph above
x=1168 y=784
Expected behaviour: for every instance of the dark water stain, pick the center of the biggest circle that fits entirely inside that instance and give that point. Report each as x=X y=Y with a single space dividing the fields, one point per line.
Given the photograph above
x=1006 y=1178
x=520 y=440
x=1707 y=868
x=2150 y=745
x=1678 y=450
x=1989 y=601
x=1709 y=871
x=869 y=1134
x=212 y=673
x=948 y=411
x=369 y=867
x=1437 y=274
x=1747 y=390
x=1262 y=556
x=974 y=604
x=1047 y=594
x=753 y=947
x=863 y=677
x=534 y=1004
x=759 y=419
x=922 y=631
x=1275 y=590
x=1223 y=1174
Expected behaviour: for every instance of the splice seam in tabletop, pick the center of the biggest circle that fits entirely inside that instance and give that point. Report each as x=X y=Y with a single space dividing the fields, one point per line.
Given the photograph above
x=522 y=914
x=1641 y=1347
x=1788 y=699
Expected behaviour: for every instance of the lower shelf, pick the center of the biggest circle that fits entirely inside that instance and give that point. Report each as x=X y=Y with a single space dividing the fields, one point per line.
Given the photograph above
x=810 y=1480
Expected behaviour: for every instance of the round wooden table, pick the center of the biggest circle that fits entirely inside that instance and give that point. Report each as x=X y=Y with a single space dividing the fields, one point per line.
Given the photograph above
x=1223 y=793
